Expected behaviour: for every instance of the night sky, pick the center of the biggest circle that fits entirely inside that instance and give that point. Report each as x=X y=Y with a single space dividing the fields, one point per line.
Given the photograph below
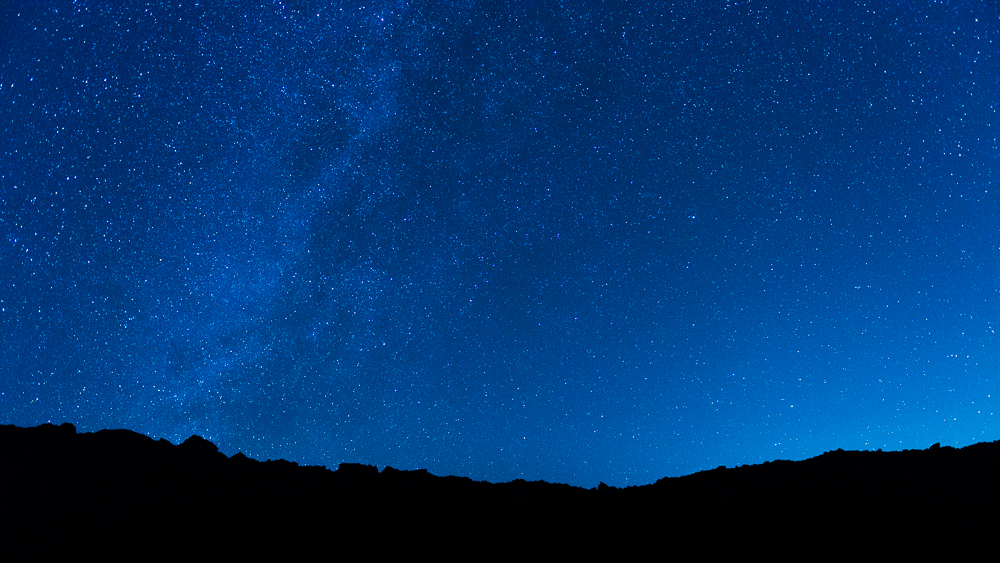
x=577 y=241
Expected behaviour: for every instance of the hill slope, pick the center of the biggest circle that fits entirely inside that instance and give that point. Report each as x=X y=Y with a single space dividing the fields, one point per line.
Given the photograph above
x=122 y=494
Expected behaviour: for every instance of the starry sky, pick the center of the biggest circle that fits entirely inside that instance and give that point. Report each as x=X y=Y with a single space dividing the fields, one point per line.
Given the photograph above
x=577 y=241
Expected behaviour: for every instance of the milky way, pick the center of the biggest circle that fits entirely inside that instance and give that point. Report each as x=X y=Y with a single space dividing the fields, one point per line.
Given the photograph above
x=572 y=241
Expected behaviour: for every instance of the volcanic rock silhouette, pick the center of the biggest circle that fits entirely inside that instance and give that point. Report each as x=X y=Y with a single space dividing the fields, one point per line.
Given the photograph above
x=119 y=494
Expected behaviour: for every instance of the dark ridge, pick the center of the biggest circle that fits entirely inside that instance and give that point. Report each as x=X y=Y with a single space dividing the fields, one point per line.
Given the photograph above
x=119 y=494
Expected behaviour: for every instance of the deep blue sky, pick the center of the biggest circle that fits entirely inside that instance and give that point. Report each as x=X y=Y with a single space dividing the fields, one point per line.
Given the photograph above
x=573 y=241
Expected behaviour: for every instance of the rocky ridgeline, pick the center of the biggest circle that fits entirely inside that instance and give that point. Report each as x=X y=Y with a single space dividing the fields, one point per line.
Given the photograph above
x=120 y=494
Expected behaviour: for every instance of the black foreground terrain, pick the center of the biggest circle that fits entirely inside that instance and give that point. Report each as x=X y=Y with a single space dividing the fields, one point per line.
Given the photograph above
x=122 y=495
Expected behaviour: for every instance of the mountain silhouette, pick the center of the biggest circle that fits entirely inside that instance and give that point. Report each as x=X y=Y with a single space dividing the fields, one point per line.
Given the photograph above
x=121 y=495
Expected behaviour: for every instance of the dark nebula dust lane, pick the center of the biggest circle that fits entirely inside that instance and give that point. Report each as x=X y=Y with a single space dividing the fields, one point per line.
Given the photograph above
x=571 y=241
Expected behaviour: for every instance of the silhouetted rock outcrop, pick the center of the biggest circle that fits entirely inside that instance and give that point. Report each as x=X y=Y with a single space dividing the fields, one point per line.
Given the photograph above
x=196 y=446
x=357 y=471
x=117 y=493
